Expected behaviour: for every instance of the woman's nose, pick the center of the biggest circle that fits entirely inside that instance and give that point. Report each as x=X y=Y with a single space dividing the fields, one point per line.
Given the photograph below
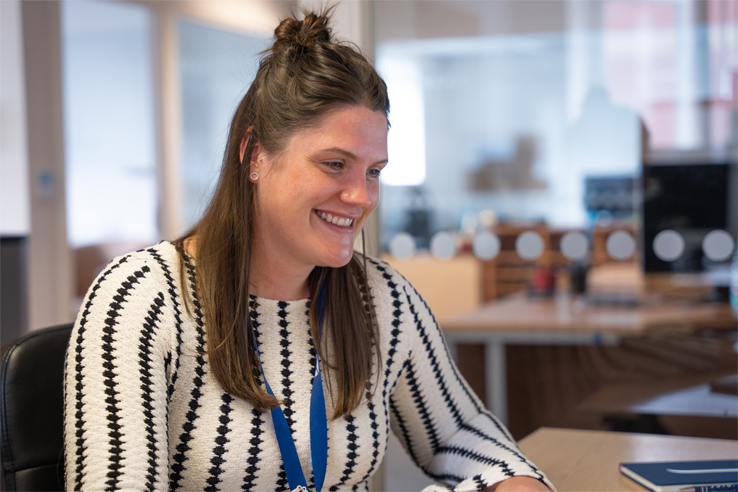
x=357 y=192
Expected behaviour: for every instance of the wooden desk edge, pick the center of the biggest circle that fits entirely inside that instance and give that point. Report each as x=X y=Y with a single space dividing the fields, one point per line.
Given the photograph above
x=587 y=460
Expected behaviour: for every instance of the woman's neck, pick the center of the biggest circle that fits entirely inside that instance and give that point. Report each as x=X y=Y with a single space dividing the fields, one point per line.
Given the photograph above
x=269 y=279
x=271 y=282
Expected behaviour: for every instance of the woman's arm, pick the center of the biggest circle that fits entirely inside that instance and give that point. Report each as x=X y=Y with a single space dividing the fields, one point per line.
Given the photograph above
x=518 y=484
x=443 y=424
x=116 y=380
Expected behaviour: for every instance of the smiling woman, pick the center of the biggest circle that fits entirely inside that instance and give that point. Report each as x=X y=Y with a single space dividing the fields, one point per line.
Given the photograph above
x=314 y=197
x=232 y=357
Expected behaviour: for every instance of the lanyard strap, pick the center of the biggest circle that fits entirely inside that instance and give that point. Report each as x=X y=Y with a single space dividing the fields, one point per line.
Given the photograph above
x=318 y=422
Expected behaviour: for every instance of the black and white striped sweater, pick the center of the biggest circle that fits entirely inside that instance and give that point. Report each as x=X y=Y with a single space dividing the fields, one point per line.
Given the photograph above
x=144 y=412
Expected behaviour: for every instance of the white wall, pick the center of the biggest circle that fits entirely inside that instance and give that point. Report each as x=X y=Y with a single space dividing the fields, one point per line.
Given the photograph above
x=49 y=260
x=40 y=163
x=14 y=200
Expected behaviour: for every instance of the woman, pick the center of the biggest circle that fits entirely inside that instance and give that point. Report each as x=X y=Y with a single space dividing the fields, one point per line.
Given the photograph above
x=259 y=352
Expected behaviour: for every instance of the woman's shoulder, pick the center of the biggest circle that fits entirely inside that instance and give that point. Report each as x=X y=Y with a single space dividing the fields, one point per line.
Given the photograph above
x=162 y=255
x=386 y=282
x=381 y=274
x=393 y=295
x=154 y=265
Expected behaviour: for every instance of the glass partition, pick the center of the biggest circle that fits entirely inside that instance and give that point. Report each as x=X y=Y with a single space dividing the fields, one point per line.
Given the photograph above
x=216 y=68
x=517 y=111
x=109 y=126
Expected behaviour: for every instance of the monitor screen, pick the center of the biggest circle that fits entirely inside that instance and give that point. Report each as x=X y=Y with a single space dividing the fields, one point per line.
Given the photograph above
x=687 y=207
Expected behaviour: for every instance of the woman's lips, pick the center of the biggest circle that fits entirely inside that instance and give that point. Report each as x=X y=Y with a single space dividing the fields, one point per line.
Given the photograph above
x=335 y=219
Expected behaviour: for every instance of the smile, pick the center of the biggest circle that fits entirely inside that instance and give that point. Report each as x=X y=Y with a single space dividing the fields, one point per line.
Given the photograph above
x=339 y=221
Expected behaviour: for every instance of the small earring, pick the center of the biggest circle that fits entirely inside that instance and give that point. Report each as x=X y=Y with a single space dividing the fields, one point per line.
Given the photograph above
x=254 y=176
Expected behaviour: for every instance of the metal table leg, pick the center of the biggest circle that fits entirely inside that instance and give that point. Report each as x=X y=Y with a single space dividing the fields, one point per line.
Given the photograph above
x=495 y=367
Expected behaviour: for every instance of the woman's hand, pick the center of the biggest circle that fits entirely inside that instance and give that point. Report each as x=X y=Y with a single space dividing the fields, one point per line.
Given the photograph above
x=518 y=484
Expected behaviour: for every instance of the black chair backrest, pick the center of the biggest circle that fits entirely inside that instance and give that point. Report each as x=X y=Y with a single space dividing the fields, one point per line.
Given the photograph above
x=31 y=408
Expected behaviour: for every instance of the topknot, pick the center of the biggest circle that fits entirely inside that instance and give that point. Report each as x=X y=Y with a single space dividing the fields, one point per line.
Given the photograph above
x=305 y=33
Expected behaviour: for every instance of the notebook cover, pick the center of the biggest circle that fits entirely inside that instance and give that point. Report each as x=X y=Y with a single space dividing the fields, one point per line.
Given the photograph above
x=673 y=475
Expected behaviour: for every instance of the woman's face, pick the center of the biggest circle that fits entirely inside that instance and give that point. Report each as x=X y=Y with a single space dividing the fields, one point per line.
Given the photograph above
x=313 y=199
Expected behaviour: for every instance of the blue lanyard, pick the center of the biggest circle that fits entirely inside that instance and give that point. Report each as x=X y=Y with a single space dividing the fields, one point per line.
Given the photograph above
x=318 y=423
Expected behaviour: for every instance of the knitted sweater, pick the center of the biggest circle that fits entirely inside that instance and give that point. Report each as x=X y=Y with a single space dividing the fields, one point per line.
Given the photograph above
x=143 y=411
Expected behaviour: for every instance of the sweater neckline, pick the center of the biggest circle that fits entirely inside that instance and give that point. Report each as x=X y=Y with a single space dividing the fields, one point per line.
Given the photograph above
x=263 y=301
x=276 y=303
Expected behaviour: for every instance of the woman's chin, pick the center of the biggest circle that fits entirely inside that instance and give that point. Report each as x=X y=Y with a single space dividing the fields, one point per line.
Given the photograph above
x=338 y=259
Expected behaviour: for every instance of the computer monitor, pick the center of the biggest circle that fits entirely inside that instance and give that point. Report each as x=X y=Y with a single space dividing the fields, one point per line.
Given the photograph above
x=692 y=200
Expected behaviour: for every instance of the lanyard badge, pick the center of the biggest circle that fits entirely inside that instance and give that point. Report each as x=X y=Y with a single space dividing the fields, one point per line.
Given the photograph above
x=318 y=423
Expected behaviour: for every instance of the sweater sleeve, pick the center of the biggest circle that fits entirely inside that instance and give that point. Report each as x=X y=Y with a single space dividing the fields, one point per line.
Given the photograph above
x=116 y=385
x=439 y=419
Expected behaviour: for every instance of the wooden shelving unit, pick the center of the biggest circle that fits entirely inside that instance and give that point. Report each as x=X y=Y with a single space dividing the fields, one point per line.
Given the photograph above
x=508 y=272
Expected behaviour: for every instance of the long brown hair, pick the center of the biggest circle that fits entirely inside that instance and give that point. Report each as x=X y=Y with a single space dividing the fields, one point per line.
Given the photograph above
x=301 y=78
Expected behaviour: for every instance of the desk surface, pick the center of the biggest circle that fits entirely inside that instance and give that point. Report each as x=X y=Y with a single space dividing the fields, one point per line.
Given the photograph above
x=572 y=315
x=579 y=460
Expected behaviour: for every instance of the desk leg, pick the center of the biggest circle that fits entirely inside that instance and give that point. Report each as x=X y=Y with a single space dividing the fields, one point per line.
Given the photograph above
x=495 y=367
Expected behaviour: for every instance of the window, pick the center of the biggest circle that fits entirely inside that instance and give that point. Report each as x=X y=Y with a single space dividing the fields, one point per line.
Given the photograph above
x=109 y=129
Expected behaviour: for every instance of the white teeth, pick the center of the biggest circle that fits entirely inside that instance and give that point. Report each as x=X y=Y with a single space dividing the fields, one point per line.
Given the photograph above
x=339 y=221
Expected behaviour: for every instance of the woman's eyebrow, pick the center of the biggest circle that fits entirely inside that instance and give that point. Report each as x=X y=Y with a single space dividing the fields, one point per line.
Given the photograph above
x=350 y=155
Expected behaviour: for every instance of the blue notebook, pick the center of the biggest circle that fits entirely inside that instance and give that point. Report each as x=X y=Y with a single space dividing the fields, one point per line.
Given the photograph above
x=672 y=476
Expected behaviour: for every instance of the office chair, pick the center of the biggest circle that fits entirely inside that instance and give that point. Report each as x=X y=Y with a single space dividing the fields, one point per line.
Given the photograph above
x=31 y=408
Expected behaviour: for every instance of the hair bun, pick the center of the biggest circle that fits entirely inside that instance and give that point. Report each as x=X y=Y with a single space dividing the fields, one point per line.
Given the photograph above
x=312 y=29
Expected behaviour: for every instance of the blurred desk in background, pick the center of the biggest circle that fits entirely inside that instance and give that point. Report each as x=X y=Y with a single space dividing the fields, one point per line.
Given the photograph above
x=686 y=395
x=581 y=460
x=564 y=320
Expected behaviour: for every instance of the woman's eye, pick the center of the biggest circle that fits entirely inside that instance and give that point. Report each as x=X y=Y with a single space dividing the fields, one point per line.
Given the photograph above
x=374 y=173
x=335 y=165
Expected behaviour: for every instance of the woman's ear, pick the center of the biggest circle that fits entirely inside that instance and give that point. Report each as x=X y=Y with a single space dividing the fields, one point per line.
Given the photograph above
x=244 y=143
x=256 y=151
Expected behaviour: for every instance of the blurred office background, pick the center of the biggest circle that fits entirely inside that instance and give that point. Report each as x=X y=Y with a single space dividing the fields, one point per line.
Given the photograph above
x=556 y=120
